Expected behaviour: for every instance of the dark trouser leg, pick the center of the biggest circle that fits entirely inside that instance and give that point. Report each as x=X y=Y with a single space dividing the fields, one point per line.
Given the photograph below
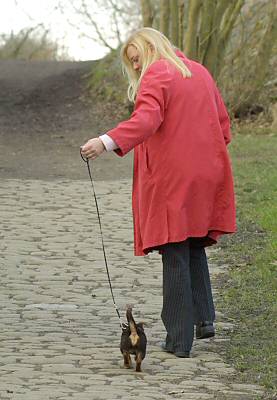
x=203 y=305
x=177 y=313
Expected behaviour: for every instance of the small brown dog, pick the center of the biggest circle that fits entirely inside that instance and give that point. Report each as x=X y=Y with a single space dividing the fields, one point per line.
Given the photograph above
x=133 y=341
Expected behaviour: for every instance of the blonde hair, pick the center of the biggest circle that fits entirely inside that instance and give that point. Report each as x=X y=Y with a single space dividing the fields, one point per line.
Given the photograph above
x=151 y=45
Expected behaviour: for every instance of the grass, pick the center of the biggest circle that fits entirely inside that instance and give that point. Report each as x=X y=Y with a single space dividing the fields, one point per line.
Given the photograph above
x=107 y=89
x=249 y=295
x=106 y=80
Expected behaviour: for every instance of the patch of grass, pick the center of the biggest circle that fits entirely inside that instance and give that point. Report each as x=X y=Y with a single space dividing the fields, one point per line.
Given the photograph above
x=108 y=90
x=249 y=287
x=106 y=79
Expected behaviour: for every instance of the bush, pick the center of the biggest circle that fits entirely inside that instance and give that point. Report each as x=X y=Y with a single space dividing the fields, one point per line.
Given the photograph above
x=30 y=44
x=246 y=79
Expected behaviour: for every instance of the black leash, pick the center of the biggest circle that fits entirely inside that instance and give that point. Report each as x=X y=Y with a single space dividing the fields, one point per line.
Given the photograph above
x=86 y=160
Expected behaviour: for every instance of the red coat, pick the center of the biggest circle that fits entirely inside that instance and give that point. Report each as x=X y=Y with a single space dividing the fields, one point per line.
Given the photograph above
x=183 y=184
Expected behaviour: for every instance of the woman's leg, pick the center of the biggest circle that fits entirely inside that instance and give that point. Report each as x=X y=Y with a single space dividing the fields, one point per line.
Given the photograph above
x=201 y=286
x=177 y=312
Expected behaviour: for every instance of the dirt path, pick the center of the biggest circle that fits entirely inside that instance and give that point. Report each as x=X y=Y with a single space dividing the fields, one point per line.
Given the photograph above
x=45 y=115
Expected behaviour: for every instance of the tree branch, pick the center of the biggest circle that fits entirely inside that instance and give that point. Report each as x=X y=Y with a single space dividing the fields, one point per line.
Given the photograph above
x=230 y=20
x=24 y=39
x=117 y=31
x=94 y=24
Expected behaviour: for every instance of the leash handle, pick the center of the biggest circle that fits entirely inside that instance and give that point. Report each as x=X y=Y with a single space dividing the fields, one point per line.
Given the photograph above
x=86 y=160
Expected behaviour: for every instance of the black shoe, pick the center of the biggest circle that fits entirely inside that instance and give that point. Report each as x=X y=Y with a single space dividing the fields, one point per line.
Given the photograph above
x=180 y=354
x=205 y=330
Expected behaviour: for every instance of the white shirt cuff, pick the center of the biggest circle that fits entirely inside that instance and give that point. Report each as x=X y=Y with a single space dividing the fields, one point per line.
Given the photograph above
x=108 y=142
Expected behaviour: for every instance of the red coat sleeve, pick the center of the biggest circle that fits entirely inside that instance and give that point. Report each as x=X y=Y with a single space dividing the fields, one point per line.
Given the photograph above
x=223 y=117
x=149 y=109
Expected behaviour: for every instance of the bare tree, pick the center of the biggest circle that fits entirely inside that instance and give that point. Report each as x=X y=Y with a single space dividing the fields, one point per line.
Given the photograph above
x=201 y=28
x=147 y=12
x=213 y=45
x=181 y=23
x=164 y=16
x=174 y=13
x=110 y=31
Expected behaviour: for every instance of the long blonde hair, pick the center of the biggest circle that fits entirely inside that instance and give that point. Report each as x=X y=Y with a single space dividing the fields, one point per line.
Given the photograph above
x=151 y=45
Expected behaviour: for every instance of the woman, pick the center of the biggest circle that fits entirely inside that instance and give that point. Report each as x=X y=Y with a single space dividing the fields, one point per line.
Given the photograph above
x=183 y=198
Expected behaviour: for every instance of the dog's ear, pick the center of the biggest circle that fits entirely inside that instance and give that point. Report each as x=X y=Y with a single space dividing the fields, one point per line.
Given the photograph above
x=142 y=325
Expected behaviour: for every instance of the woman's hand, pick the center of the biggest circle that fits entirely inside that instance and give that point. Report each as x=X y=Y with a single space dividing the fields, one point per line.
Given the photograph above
x=93 y=148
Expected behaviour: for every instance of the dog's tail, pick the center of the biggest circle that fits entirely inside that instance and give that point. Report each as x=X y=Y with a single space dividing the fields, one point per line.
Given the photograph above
x=134 y=335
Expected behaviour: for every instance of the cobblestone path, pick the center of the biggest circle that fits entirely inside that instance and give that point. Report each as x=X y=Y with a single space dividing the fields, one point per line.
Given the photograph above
x=59 y=333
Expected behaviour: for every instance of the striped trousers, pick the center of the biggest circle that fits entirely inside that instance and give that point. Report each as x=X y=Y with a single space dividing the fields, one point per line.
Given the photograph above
x=187 y=294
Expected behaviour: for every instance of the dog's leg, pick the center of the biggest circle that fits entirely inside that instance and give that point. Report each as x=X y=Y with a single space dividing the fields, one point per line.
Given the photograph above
x=127 y=359
x=138 y=362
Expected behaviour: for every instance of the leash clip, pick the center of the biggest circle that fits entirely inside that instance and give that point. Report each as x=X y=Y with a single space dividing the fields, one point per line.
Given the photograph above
x=123 y=325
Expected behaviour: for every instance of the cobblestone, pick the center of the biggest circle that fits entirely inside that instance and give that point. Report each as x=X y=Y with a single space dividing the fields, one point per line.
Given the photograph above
x=59 y=333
